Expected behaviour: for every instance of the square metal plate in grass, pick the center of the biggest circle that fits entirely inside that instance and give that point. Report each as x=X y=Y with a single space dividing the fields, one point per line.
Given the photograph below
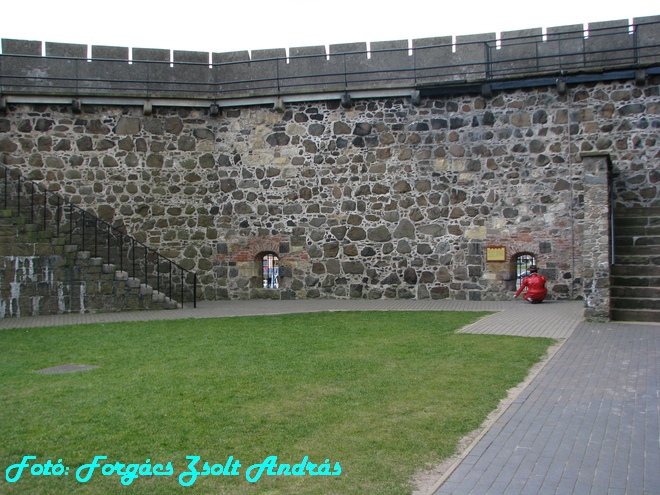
x=66 y=368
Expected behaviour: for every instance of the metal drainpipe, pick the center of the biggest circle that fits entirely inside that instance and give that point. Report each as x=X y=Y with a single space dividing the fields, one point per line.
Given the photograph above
x=570 y=172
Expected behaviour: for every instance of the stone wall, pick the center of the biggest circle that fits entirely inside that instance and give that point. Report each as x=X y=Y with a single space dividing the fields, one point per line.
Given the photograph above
x=68 y=70
x=383 y=199
x=597 y=235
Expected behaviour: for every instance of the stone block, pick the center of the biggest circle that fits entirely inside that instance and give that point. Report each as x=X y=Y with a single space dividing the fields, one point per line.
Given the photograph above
x=146 y=290
x=133 y=283
x=436 y=54
x=157 y=297
x=517 y=53
x=609 y=44
x=21 y=47
x=647 y=30
x=171 y=304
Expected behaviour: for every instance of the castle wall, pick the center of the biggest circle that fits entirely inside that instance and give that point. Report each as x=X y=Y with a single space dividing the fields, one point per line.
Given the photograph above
x=68 y=70
x=383 y=199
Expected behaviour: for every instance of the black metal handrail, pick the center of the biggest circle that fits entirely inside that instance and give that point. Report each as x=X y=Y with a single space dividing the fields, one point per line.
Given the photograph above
x=573 y=55
x=103 y=240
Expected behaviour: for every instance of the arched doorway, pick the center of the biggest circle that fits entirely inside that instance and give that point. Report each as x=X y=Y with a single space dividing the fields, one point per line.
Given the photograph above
x=521 y=263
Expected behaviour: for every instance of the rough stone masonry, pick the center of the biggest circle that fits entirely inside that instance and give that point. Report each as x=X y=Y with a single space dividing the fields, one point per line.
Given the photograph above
x=380 y=200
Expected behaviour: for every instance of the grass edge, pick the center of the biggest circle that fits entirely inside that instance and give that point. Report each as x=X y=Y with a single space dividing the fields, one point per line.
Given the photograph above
x=428 y=481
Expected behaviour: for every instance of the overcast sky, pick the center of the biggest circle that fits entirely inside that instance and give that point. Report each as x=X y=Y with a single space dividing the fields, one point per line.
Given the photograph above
x=223 y=26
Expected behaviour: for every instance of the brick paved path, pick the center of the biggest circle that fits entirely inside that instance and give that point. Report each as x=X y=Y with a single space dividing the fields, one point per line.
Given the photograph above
x=587 y=424
x=514 y=317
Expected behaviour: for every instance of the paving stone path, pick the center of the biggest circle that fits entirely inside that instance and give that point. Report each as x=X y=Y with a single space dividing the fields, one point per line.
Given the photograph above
x=587 y=424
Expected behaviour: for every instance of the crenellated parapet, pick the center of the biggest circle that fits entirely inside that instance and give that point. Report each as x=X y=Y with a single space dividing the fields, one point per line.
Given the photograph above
x=73 y=70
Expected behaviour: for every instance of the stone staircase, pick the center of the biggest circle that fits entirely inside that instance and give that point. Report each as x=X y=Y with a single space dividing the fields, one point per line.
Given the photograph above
x=40 y=273
x=51 y=263
x=635 y=276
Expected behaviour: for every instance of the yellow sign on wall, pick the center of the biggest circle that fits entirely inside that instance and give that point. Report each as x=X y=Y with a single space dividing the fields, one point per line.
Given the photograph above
x=495 y=253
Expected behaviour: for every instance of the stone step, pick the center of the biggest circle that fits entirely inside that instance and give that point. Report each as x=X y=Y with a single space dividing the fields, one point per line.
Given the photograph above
x=644 y=240
x=171 y=304
x=651 y=211
x=636 y=315
x=11 y=217
x=635 y=292
x=18 y=222
x=634 y=270
x=625 y=303
x=649 y=250
x=133 y=283
x=631 y=222
x=105 y=287
x=158 y=297
x=641 y=260
x=635 y=281
x=109 y=268
x=628 y=230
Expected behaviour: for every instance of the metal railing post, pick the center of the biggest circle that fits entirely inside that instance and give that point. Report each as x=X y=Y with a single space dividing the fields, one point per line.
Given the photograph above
x=158 y=272
x=82 y=228
x=18 y=190
x=32 y=204
x=70 y=223
x=133 y=255
x=59 y=215
x=488 y=69
x=120 y=247
x=6 y=190
x=45 y=207
x=170 y=288
x=96 y=237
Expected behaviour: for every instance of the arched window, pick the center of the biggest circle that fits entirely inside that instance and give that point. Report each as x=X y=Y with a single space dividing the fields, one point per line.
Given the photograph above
x=270 y=271
x=522 y=262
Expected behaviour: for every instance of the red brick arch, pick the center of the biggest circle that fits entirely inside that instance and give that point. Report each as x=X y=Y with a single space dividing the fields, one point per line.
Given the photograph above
x=254 y=249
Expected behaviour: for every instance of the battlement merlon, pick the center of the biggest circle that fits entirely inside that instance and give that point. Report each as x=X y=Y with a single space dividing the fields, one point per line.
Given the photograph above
x=68 y=70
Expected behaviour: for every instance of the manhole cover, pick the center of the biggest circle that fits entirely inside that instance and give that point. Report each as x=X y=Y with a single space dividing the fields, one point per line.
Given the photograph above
x=66 y=368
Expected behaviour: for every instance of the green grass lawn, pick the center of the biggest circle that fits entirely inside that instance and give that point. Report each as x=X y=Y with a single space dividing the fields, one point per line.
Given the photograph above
x=381 y=393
